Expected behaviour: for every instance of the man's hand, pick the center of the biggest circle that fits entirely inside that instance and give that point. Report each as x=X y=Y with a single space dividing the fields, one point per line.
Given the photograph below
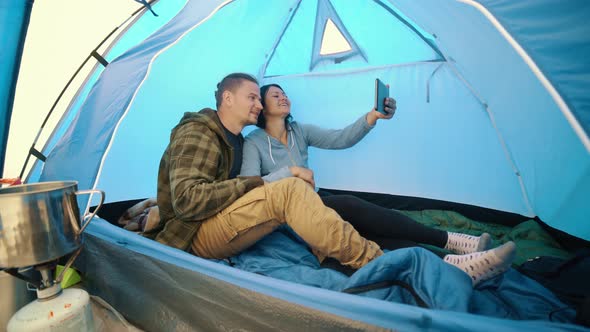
x=390 y=107
x=304 y=174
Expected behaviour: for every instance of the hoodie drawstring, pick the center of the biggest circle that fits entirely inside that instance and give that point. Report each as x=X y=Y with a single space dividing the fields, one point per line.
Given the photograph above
x=288 y=149
x=270 y=150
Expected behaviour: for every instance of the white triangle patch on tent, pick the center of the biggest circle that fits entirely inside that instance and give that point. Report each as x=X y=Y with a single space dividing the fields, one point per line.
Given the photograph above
x=333 y=41
x=324 y=35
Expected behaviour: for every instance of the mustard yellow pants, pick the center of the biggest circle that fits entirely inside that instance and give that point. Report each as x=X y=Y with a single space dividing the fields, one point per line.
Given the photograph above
x=289 y=201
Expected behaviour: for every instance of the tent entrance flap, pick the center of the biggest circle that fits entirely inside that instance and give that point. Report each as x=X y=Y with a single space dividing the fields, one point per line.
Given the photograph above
x=14 y=15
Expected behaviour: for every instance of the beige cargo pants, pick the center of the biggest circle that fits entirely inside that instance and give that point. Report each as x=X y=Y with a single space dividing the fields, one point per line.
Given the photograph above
x=291 y=201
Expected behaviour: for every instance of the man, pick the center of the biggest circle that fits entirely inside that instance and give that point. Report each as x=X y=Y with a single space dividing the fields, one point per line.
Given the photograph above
x=207 y=209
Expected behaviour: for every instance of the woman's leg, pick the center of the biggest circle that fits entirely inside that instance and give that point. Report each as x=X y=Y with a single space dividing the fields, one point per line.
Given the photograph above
x=378 y=224
x=374 y=221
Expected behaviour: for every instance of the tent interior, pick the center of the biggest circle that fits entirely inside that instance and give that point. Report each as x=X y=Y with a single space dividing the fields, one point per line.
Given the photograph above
x=491 y=134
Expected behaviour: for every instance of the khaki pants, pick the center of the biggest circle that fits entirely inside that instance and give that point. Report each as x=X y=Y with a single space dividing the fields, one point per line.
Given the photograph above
x=291 y=201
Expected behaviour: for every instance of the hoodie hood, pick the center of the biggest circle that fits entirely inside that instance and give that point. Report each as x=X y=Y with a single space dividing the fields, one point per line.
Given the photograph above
x=207 y=117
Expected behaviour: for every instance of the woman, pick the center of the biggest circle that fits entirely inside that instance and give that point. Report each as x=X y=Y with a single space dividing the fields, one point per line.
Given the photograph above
x=278 y=149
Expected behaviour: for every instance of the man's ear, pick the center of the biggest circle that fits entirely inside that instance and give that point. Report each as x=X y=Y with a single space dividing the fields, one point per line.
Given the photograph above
x=227 y=97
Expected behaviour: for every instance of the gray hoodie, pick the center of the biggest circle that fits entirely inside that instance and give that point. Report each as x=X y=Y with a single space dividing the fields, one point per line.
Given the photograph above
x=267 y=157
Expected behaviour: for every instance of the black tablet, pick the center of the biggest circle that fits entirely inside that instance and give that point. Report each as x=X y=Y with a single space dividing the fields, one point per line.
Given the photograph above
x=381 y=92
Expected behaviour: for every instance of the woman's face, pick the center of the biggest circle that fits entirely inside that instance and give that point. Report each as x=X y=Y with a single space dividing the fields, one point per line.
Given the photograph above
x=277 y=103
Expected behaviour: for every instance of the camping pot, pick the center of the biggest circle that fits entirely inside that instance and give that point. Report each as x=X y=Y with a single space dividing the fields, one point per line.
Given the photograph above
x=40 y=222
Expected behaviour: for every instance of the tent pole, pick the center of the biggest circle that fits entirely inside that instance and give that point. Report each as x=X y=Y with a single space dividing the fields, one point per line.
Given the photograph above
x=94 y=53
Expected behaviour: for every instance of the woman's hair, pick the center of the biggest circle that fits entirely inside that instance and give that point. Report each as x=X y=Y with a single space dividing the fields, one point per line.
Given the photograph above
x=261 y=119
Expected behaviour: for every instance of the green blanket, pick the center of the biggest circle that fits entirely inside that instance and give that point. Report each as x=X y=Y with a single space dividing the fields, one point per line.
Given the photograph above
x=530 y=238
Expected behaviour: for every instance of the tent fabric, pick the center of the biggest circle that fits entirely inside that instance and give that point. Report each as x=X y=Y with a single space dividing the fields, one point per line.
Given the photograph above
x=517 y=138
x=14 y=20
x=227 y=297
x=556 y=44
x=470 y=42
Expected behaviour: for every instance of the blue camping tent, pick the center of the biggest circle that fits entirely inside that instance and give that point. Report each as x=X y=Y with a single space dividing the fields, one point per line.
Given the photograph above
x=492 y=113
x=477 y=139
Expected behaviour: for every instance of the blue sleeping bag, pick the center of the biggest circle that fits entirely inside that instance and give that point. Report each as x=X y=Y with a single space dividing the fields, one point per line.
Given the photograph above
x=432 y=282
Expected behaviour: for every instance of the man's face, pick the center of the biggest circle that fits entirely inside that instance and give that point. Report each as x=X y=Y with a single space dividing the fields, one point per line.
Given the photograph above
x=245 y=103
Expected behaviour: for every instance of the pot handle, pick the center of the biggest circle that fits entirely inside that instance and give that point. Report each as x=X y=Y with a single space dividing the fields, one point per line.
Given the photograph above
x=88 y=217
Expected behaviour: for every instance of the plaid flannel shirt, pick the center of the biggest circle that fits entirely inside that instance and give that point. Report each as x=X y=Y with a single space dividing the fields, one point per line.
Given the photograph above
x=193 y=180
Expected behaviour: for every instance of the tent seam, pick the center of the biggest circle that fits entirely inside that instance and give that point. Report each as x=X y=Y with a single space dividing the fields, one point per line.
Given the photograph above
x=410 y=26
x=357 y=70
x=428 y=82
x=262 y=71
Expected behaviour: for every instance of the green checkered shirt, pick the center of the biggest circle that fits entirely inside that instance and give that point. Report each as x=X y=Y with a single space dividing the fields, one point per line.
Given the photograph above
x=193 y=180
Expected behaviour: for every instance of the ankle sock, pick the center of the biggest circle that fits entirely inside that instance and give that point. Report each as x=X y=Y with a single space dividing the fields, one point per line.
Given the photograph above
x=465 y=244
x=481 y=266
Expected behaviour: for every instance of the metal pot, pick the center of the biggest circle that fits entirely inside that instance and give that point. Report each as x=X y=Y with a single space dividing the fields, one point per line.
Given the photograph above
x=40 y=222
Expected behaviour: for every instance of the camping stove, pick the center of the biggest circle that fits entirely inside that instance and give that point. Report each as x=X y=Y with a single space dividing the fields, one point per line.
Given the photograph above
x=39 y=224
x=54 y=309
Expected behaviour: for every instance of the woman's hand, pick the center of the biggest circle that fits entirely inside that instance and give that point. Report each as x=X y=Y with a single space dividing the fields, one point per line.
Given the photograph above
x=304 y=174
x=390 y=107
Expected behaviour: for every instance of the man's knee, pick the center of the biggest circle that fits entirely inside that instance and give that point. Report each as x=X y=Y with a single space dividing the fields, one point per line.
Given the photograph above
x=290 y=183
x=287 y=188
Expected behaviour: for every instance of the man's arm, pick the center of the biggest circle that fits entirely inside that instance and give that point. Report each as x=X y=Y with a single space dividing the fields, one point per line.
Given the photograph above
x=197 y=194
